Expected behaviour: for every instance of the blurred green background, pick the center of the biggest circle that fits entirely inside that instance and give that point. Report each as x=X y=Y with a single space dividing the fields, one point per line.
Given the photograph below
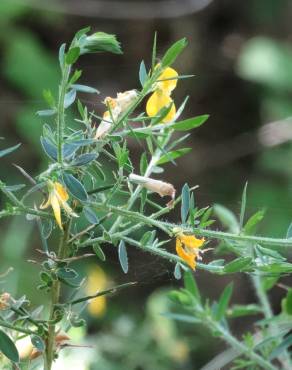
x=241 y=54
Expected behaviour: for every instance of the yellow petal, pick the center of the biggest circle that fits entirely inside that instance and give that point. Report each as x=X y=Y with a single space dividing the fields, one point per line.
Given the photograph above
x=61 y=191
x=191 y=241
x=189 y=258
x=168 y=85
x=57 y=210
x=156 y=102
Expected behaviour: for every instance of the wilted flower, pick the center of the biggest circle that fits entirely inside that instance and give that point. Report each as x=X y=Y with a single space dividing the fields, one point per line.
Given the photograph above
x=161 y=97
x=116 y=106
x=57 y=199
x=187 y=248
x=4 y=301
x=97 y=281
x=157 y=186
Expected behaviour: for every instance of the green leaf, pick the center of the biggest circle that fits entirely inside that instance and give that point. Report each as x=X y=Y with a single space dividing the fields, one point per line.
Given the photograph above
x=38 y=343
x=8 y=348
x=90 y=215
x=85 y=89
x=177 y=271
x=287 y=302
x=252 y=222
x=76 y=75
x=62 y=55
x=66 y=273
x=269 y=282
x=244 y=310
x=72 y=55
x=154 y=49
x=243 y=206
x=182 y=317
x=276 y=268
x=224 y=302
x=82 y=32
x=173 y=155
x=190 y=123
x=83 y=159
x=285 y=344
x=237 y=265
x=69 y=98
x=9 y=150
x=142 y=73
x=75 y=188
x=123 y=257
x=49 y=98
x=98 y=251
x=46 y=112
x=227 y=218
x=143 y=163
x=191 y=285
x=173 y=52
x=185 y=203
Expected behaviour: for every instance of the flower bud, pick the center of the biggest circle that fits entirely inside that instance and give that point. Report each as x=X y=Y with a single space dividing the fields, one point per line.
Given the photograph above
x=157 y=186
x=99 y=42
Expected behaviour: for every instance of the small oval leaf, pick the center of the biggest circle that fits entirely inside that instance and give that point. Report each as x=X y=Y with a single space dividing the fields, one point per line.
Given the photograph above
x=75 y=188
x=123 y=257
x=8 y=348
x=90 y=215
x=98 y=251
x=83 y=159
x=38 y=343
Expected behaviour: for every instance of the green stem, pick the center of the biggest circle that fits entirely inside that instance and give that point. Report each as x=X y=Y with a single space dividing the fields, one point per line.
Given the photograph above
x=6 y=324
x=138 y=189
x=239 y=346
x=61 y=111
x=268 y=313
x=55 y=297
x=168 y=228
x=239 y=238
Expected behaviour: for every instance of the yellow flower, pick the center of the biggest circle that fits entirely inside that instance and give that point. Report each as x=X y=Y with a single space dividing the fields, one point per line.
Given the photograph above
x=187 y=248
x=57 y=199
x=97 y=281
x=169 y=75
x=157 y=101
x=160 y=98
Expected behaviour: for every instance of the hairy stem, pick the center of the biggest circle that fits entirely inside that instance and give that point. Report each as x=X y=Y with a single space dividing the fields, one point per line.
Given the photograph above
x=268 y=313
x=61 y=112
x=240 y=347
x=55 y=297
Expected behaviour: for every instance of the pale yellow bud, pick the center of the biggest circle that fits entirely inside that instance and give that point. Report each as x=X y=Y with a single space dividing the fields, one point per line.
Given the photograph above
x=157 y=186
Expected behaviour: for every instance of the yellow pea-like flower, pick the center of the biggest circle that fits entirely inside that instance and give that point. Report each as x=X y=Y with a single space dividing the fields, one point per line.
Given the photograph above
x=57 y=199
x=161 y=97
x=156 y=102
x=187 y=248
x=169 y=80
